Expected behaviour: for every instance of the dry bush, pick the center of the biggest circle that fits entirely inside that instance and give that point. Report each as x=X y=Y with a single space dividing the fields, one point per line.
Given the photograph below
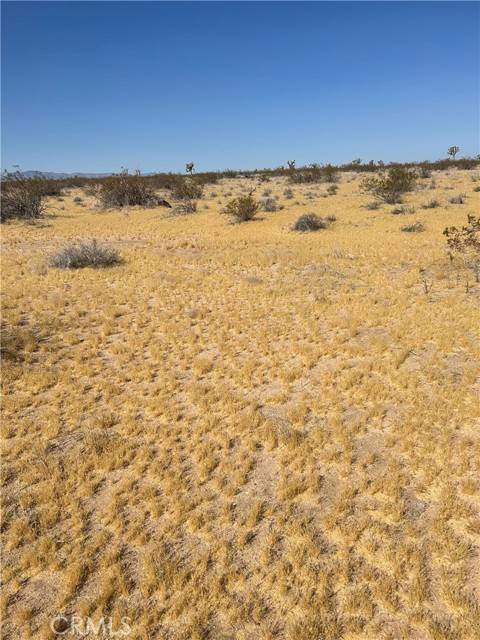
x=242 y=209
x=306 y=176
x=464 y=242
x=311 y=222
x=125 y=190
x=424 y=171
x=460 y=199
x=269 y=204
x=185 y=208
x=390 y=185
x=431 y=204
x=16 y=341
x=20 y=198
x=464 y=238
x=329 y=173
x=88 y=253
x=400 y=211
x=187 y=189
x=415 y=227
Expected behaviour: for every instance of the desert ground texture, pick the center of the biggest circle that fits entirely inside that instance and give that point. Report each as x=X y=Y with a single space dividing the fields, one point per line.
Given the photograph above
x=242 y=431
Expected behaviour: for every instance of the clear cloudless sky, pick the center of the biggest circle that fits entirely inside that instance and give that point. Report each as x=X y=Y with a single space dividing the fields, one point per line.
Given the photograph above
x=92 y=86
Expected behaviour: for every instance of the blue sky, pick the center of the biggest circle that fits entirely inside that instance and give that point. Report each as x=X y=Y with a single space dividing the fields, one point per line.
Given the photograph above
x=92 y=86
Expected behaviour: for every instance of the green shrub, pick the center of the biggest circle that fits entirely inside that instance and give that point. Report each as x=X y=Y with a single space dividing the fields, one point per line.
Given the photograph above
x=242 y=209
x=390 y=185
x=466 y=238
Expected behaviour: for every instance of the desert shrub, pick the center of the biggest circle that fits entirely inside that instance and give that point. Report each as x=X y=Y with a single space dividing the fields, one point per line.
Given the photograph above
x=415 y=227
x=372 y=206
x=242 y=208
x=78 y=200
x=92 y=189
x=431 y=204
x=49 y=187
x=187 y=189
x=207 y=178
x=88 y=253
x=126 y=190
x=16 y=341
x=398 y=211
x=310 y=222
x=465 y=241
x=306 y=176
x=476 y=189
x=331 y=218
x=288 y=193
x=43 y=185
x=466 y=238
x=390 y=185
x=269 y=204
x=332 y=190
x=185 y=208
x=330 y=174
x=20 y=198
x=266 y=193
x=460 y=199
x=424 y=171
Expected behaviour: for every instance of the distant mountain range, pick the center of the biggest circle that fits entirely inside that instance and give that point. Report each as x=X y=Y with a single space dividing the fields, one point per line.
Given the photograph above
x=61 y=176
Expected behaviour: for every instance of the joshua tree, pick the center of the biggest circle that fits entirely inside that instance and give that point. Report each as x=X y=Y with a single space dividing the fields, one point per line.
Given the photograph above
x=291 y=164
x=189 y=167
x=452 y=151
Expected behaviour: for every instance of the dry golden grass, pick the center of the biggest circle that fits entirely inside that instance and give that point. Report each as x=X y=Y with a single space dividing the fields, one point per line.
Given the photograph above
x=242 y=431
